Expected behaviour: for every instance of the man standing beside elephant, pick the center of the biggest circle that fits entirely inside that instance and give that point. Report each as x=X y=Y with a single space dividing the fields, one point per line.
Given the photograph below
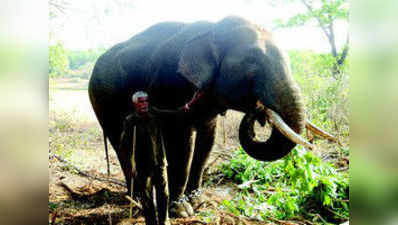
x=149 y=162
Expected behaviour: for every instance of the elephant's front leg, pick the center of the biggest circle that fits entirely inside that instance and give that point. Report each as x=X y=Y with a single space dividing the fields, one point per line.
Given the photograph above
x=179 y=153
x=205 y=136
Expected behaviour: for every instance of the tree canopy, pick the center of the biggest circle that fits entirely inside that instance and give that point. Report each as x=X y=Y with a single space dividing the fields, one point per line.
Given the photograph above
x=325 y=14
x=58 y=62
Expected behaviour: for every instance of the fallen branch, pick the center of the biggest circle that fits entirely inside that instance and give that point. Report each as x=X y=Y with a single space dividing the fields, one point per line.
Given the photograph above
x=302 y=220
x=246 y=184
x=320 y=217
x=342 y=169
x=188 y=221
x=138 y=205
x=239 y=218
x=275 y=220
x=337 y=214
x=210 y=202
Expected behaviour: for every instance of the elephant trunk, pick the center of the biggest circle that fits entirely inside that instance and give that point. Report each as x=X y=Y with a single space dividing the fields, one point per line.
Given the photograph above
x=289 y=119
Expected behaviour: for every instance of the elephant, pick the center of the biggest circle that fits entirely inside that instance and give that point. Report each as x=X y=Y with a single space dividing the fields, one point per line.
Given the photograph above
x=235 y=63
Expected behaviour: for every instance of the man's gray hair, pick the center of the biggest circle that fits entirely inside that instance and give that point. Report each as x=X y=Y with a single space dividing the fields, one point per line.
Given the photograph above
x=137 y=95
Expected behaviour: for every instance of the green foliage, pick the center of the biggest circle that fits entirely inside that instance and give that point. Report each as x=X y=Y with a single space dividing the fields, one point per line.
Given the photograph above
x=325 y=93
x=207 y=216
x=52 y=206
x=72 y=63
x=58 y=63
x=80 y=58
x=325 y=12
x=302 y=186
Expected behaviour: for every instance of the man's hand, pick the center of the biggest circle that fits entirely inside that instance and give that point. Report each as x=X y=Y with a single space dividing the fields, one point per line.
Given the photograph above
x=195 y=97
x=186 y=108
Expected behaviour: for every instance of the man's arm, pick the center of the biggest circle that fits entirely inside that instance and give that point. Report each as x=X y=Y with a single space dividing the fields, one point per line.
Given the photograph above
x=167 y=112
x=180 y=111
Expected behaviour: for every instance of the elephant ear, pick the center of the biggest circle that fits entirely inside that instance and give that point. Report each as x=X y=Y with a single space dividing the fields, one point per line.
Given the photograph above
x=199 y=60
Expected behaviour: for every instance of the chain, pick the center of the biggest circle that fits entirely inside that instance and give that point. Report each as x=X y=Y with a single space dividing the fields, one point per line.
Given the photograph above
x=180 y=200
x=194 y=194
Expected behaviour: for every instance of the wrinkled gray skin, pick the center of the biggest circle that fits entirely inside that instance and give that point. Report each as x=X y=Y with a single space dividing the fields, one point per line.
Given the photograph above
x=233 y=61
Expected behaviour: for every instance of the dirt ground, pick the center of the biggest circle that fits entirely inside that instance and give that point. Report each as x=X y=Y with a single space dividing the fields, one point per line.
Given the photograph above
x=77 y=199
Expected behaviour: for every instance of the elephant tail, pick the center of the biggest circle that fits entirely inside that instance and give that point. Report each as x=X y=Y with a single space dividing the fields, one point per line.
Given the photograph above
x=106 y=153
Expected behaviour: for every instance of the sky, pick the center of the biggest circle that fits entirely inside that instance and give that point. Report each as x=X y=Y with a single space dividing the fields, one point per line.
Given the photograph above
x=103 y=23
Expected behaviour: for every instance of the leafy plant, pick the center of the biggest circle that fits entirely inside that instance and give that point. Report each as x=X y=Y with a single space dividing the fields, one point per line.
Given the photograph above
x=299 y=185
x=325 y=96
x=207 y=216
x=79 y=58
x=58 y=63
x=325 y=14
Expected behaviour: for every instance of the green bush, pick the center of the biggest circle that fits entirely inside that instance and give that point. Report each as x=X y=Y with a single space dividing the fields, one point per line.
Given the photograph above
x=300 y=185
x=58 y=63
x=325 y=93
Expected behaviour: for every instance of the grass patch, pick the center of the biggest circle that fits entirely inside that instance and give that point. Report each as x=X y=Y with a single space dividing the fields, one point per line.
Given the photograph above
x=67 y=133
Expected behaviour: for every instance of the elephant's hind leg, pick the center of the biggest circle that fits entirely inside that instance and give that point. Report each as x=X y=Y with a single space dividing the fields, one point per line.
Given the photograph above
x=114 y=133
x=205 y=136
x=125 y=163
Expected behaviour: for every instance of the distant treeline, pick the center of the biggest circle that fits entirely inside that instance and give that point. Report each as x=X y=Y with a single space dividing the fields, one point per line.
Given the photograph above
x=78 y=58
x=72 y=63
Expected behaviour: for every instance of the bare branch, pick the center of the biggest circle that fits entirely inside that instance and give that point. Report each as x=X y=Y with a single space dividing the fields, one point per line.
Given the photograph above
x=309 y=7
x=332 y=38
x=345 y=51
x=58 y=5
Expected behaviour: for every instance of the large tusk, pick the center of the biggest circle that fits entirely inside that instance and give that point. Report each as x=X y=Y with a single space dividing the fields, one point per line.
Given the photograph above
x=318 y=131
x=278 y=122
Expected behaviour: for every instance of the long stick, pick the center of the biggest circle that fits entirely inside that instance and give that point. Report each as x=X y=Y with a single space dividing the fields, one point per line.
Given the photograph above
x=223 y=130
x=132 y=179
x=133 y=201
